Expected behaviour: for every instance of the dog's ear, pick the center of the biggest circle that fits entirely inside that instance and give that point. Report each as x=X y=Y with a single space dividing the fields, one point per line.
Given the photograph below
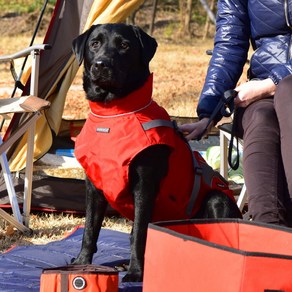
x=147 y=42
x=78 y=44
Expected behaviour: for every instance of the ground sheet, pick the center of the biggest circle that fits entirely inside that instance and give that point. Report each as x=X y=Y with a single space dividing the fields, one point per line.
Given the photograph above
x=21 y=267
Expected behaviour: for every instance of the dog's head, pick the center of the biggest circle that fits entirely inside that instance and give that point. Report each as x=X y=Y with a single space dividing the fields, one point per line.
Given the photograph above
x=116 y=60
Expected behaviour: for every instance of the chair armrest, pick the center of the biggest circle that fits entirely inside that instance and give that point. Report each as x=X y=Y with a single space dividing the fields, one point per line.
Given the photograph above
x=24 y=52
x=34 y=104
x=23 y=104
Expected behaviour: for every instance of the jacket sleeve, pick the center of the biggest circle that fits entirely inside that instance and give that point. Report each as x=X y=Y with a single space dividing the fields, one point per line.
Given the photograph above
x=230 y=51
x=272 y=59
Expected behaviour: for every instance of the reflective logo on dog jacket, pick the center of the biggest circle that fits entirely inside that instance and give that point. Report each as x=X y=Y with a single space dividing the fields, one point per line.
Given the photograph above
x=114 y=134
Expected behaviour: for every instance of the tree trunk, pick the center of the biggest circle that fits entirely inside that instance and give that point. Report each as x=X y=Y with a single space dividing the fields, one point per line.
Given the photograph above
x=182 y=13
x=185 y=7
x=188 y=17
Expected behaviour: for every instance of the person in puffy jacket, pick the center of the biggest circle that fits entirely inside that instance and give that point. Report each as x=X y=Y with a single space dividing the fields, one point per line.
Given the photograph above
x=264 y=103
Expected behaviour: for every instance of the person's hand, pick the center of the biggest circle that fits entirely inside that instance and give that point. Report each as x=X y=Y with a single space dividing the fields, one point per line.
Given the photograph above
x=193 y=130
x=254 y=90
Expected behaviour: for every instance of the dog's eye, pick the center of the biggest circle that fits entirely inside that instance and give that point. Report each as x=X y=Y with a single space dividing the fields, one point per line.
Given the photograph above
x=95 y=44
x=124 y=45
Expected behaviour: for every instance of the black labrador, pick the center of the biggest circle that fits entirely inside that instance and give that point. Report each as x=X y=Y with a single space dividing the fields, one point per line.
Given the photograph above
x=116 y=63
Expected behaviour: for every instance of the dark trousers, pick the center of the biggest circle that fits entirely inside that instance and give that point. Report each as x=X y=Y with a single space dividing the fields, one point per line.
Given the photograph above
x=267 y=156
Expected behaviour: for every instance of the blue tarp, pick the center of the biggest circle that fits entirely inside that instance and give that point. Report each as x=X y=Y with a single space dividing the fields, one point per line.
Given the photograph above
x=21 y=267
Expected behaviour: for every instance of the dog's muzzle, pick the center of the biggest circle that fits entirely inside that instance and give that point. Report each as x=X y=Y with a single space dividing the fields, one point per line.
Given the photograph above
x=100 y=71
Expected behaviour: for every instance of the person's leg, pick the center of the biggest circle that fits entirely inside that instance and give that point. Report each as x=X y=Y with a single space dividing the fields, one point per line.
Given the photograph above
x=283 y=108
x=262 y=163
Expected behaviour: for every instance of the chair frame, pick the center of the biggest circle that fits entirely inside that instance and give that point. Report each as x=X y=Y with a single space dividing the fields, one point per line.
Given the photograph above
x=18 y=220
x=224 y=138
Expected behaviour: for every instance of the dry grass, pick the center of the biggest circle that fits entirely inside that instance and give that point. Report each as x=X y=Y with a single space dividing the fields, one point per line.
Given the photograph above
x=179 y=72
x=47 y=227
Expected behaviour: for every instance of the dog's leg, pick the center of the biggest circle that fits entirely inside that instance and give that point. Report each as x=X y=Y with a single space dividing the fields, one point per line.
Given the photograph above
x=218 y=205
x=96 y=206
x=146 y=173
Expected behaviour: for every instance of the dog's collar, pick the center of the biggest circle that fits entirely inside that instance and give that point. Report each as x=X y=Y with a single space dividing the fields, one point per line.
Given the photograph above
x=134 y=102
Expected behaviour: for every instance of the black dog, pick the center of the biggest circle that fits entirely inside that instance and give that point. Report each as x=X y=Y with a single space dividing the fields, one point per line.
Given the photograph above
x=116 y=77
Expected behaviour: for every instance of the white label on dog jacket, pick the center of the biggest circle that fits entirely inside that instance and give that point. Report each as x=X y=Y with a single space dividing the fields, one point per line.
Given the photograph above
x=103 y=130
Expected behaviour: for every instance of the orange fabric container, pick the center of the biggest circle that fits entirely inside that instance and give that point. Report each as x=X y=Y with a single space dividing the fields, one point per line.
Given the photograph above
x=85 y=278
x=217 y=255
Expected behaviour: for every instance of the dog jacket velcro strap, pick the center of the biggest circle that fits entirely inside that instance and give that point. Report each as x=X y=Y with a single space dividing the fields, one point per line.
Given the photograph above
x=157 y=123
x=203 y=171
x=197 y=185
x=79 y=278
x=197 y=169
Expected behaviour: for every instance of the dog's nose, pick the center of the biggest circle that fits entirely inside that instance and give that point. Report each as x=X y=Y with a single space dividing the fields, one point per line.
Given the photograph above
x=103 y=62
x=99 y=64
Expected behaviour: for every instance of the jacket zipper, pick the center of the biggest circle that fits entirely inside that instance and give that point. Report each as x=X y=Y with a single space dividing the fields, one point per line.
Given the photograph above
x=286 y=10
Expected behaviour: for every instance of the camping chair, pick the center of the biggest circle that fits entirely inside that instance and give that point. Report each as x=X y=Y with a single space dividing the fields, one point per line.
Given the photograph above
x=25 y=104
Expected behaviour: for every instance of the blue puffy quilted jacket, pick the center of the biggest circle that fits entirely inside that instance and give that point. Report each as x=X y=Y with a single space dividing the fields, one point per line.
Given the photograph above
x=267 y=25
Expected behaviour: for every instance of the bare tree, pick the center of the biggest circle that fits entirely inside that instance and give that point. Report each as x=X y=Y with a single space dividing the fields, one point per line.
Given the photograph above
x=185 y=7
x=188 y=17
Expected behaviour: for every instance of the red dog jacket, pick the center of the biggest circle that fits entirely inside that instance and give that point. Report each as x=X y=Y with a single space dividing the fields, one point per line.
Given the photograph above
x=116 y=132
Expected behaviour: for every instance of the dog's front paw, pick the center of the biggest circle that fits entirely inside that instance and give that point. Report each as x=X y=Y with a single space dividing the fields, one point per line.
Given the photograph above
x=133 y=277
x=82 y=260
x=77 y=261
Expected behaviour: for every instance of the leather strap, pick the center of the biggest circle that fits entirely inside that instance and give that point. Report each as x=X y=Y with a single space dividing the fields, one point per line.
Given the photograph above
x=233 y=164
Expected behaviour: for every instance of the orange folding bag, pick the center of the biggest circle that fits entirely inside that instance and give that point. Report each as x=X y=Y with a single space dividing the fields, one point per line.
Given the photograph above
x=85 y=278
x=217 y=255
